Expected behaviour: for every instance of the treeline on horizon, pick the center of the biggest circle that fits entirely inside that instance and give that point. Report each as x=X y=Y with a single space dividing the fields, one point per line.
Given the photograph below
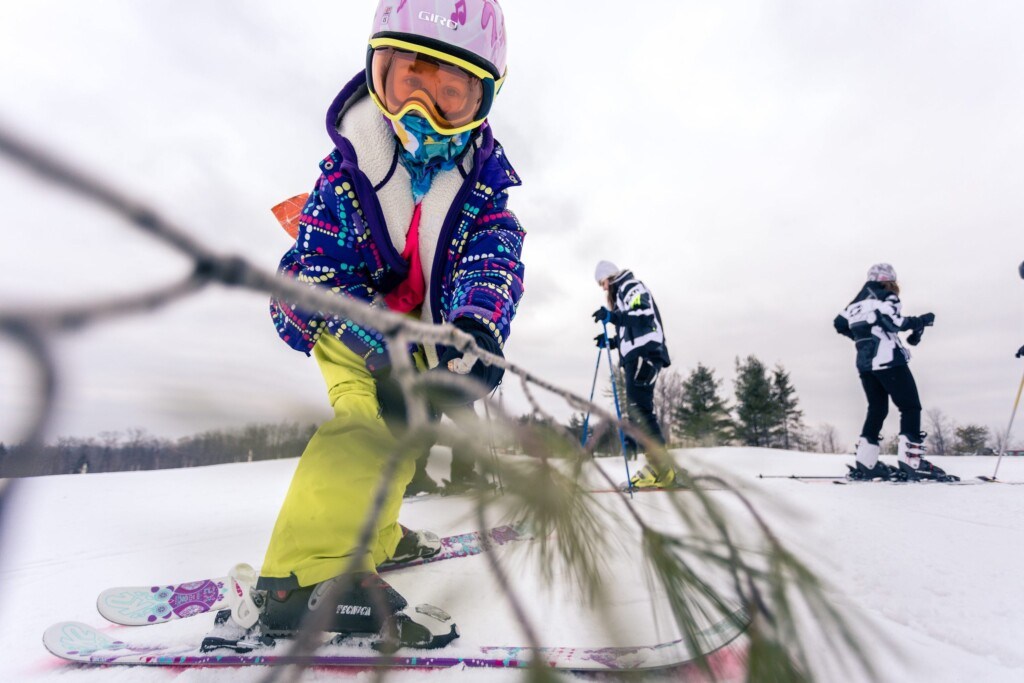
x=137 y=450
x=764 y=412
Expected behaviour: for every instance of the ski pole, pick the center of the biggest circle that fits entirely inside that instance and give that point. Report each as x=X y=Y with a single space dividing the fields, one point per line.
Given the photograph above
x=618 y=410
x=593 y=385
x=797 y=476
x=1006 y=441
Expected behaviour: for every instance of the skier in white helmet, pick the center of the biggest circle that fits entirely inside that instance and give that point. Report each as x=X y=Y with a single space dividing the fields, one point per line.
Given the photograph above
x=640 y=340
x=874 y=320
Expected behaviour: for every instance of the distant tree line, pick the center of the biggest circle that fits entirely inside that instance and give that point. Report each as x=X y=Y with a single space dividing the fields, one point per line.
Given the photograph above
x=136 y=450
x=693 y=411
x=946 y=437
x=764 y=411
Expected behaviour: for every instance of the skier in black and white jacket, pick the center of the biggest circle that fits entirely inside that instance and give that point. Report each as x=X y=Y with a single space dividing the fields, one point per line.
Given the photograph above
x=640 y=340
x=873 y=320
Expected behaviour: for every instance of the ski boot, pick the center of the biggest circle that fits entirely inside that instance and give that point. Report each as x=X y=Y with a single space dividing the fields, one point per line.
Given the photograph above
x=867 y=452
x=925 y=471
x=415 y=545
x=421 y=483
x=879 y=471
x=469 y=482
x=358 y=606
x=648 y=478
x=913 y=466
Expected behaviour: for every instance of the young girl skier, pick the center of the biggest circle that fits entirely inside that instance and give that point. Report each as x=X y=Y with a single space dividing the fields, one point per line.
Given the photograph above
x=409 y=214
x=874 y=320
x=640 y=340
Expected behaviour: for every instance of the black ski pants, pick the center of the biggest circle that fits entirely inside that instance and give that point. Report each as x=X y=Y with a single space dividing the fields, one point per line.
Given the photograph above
x=896 y=383
x=641 y=378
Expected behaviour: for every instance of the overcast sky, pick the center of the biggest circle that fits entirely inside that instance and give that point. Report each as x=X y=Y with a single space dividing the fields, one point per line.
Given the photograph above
x=748 y=160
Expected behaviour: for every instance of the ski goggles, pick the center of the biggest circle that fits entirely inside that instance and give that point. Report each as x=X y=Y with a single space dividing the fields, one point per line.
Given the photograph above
x=453 y=94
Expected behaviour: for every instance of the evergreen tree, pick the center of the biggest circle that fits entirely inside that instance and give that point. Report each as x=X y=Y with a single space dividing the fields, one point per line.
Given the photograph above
x=701 y=414
x=970 y=439
x=757 y=412
x=789 y=431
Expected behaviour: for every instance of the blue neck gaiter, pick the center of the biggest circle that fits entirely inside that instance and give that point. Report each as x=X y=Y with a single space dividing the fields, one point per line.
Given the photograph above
x=425 y=152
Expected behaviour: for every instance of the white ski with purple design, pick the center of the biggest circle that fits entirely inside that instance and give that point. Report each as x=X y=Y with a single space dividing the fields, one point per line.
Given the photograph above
x=78 y=642
x=144 y=605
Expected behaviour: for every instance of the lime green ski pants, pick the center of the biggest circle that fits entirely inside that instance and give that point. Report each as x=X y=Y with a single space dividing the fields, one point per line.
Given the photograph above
x=331 y=494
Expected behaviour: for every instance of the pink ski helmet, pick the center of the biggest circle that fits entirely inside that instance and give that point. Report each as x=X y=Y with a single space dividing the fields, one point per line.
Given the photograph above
x=881 y=272
x=453 y=39
x=471 y=29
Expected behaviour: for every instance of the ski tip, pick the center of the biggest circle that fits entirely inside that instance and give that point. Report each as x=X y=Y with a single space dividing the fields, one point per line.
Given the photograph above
x=75 y=641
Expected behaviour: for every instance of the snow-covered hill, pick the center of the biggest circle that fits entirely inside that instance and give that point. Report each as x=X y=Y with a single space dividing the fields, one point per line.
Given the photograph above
x=934 y=570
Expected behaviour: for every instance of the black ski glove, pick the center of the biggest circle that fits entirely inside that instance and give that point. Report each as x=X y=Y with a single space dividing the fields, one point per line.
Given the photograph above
x=602 y=315
x=918 y=322
x=1020 y=352
x=391 y=401
x=487 y=377
x=842 y=326
x=914 y=338
x=601 y=341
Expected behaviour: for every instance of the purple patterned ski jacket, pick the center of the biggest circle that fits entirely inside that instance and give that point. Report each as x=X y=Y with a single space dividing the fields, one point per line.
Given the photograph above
x=352 y=231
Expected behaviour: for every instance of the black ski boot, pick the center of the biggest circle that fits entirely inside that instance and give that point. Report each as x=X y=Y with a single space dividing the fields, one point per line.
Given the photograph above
x=357 y=606
x=467 y=482
x=421 y=481
x=361 y=603
x=880 y=471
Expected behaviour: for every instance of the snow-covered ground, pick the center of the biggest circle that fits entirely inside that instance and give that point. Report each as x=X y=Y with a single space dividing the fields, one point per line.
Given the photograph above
x=932 y=571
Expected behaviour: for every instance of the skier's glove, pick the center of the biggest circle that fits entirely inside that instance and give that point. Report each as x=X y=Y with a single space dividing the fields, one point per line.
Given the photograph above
x=914 y=338
x=1020 y=352
x=927 y=320
x=602 y=315
x=485 y=377
x=842 y=326
x=602 y=341
x=391 y=400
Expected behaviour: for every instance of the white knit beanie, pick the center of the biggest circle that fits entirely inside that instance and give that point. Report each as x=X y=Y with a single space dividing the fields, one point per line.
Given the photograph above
x=605 y=269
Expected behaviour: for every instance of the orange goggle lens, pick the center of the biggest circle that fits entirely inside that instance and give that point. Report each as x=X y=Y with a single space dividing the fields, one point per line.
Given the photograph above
x=452 y=96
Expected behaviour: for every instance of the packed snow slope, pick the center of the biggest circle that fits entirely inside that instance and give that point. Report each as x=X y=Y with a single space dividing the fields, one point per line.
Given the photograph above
x=933 y=573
